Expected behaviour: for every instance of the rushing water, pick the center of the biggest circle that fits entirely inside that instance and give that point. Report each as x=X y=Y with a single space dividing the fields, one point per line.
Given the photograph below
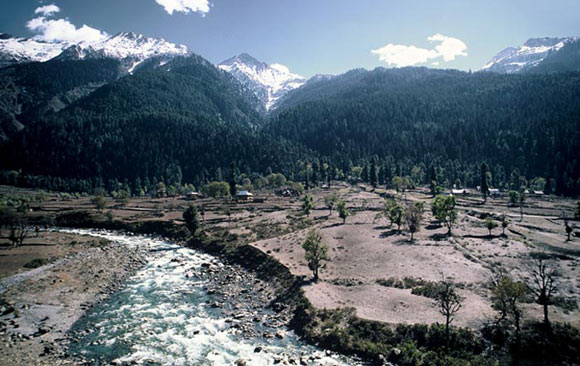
x=161 y=318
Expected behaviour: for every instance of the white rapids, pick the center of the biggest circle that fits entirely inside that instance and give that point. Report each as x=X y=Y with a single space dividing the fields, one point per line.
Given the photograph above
x=161 y=317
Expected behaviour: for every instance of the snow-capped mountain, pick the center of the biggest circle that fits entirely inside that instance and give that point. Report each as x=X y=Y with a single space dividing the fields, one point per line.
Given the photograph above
x=130 y=48
x=16 y=50
x=531 y=54
x=268 y=82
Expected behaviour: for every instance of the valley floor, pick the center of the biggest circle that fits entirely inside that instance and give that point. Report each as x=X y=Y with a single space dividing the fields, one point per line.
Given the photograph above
x=373 y=268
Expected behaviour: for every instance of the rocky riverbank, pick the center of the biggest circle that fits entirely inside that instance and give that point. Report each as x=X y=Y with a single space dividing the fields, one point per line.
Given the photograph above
x=186 y=307
x=38 y=307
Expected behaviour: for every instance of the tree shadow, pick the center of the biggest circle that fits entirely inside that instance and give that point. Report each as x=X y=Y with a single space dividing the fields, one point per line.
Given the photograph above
x=433 y=226
x=439 y=236
x=386 y=234
x=384 y=227
x=333 y=225
x=486 y=236
x=405 y=241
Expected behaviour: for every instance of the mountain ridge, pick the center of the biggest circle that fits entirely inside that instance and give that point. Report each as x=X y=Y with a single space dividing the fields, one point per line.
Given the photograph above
x=528 y=56
x=130 y=48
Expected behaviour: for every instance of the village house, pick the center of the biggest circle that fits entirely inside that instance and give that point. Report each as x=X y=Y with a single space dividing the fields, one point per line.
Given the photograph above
x=244 y=196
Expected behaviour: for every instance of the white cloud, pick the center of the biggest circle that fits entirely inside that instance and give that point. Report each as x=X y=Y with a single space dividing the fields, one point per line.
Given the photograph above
x=402 y=55
x=185 y=6
x=47 y=10
x=63 y=30
x=450 y=47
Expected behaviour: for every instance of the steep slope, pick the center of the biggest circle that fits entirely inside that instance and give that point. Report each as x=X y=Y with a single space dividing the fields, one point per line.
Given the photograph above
x=45 y=77
x=529 y=55
x=32 y=90
x=567 y=59
x=268 y=82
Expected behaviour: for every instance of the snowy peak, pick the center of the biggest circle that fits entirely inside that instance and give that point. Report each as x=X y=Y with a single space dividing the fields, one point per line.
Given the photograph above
x=138 y=46
x=128 y=47
x=268 y=82
x=15 y=50
x=529 y=55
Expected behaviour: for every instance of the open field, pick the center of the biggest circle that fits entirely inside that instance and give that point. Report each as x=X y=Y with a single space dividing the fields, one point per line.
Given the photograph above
x=369 y=258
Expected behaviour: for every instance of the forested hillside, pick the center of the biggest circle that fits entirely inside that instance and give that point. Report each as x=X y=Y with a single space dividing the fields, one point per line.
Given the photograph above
x=522 y=126
x=29 y=91
x=179 y=123
x=187 y=121
x=565 y=60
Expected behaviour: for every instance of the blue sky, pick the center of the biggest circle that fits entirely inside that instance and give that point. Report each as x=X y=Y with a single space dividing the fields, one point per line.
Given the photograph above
x=317 y=36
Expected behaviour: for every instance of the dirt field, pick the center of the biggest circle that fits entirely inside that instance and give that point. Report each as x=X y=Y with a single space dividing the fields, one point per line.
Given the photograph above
x=366 y=250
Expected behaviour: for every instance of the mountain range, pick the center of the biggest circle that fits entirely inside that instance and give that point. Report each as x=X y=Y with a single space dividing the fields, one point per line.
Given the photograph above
x=130 y=48
x=269 y=83
x=131 y=108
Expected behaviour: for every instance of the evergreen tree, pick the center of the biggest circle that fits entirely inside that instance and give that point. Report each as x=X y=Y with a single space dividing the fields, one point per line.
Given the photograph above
x=432 y=181
x=484 y=187
x=306 y=181
x=365 y=175
x=307 y=204
x=191 y=218
x=232 y=180
x=373 y=179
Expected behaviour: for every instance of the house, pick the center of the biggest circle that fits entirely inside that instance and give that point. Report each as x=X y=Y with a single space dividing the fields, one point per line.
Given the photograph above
x=494 y=192
x=455 y=192
x=538 y=193
x=244 y=196
x=288 y=192
x=190 y=196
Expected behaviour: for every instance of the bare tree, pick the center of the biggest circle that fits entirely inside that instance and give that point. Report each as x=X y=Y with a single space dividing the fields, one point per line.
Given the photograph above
x=504 y=224
x=542 y=284
x=568 y=228
x=18 y=232
x=522 y=200
x=449 y=302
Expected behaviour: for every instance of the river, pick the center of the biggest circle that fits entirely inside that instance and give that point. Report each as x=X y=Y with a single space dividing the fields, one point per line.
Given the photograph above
x=163 y=316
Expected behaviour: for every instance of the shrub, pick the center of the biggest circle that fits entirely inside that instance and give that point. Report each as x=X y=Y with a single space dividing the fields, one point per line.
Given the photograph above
x=35 y=263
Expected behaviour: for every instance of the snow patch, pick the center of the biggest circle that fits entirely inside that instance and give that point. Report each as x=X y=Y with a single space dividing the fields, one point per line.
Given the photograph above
x=530 y=54
x=268 y=82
